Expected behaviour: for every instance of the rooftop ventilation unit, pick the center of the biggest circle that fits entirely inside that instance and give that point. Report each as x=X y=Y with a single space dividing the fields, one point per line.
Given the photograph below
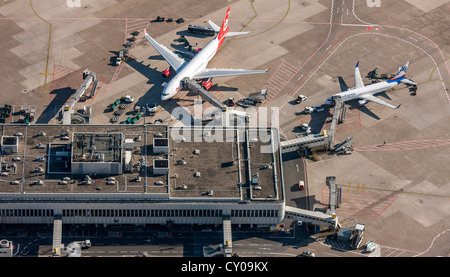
x=160 y=145
x=160 y=166
x=255 y=179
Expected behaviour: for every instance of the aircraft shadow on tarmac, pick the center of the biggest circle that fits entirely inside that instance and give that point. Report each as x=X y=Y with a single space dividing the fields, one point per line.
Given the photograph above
x=354 y=105
x=61 y=97
x=154 y=77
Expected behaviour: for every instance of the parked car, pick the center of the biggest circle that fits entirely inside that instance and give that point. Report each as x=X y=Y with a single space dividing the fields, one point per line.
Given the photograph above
x=308 y=254
x=128 y=99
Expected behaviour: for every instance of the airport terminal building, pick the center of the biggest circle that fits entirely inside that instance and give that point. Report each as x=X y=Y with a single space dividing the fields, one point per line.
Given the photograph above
x=140 y=174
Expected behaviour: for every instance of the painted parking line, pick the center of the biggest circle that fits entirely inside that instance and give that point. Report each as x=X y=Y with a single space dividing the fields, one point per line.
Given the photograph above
x=360 y=203
x=279 y=79
x=405 y=145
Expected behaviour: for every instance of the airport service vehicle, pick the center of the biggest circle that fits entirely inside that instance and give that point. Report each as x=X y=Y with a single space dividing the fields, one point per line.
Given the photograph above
x=308 y=254
x=366 y=93
x=305 y=127
x=201 y=30
x=84 y=244
x=301 y=185
x=128 y=99
x=151 y=109
x=196 y=68
x=315 y=109
x=370 y=246
x=300 y=99
x=120 y=57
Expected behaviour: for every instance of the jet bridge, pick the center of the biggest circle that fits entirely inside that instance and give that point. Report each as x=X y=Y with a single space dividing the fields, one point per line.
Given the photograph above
x=314 y=140
x=338 y=116
x=194 y=86
x=57 y=234
x=335 y=194
x=309 y=141
x=227 y=239
x=88 y=77
x=312 y=217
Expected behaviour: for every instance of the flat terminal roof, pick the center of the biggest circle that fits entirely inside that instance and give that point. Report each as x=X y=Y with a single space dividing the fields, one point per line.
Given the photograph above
x=214 y=161
x=26 y=173
x=222 y=162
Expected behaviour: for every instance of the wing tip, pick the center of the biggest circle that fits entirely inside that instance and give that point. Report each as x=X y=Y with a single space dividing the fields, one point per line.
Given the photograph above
x=398 y=106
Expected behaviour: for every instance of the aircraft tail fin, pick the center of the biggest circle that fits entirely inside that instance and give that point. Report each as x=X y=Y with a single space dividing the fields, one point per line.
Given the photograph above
x=224 y=29
x=401 y=71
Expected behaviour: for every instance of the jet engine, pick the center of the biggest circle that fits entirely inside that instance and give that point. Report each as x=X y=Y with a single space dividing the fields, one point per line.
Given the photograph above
x=362 y=102
x=166 y=73
x=206 y=84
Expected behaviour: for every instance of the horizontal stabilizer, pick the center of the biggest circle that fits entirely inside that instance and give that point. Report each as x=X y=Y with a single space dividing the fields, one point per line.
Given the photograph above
x=232 y=34
x=214 y=26
x=409 y=82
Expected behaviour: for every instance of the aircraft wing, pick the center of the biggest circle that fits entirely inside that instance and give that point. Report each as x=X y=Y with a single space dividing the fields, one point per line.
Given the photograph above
x=358 y=80
x=213 y=72
x=214 y=26
x=174 y=61
x=372 y=98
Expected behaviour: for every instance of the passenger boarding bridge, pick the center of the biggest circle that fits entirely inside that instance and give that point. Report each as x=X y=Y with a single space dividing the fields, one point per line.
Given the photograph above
x=314 y=140
x=68 y=113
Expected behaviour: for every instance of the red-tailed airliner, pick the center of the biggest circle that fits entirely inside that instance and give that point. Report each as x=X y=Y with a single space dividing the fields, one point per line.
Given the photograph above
x=196 y=68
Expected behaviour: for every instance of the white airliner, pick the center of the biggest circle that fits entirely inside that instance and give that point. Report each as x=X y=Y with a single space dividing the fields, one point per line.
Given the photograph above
x=196 y=68
x=366 y=93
